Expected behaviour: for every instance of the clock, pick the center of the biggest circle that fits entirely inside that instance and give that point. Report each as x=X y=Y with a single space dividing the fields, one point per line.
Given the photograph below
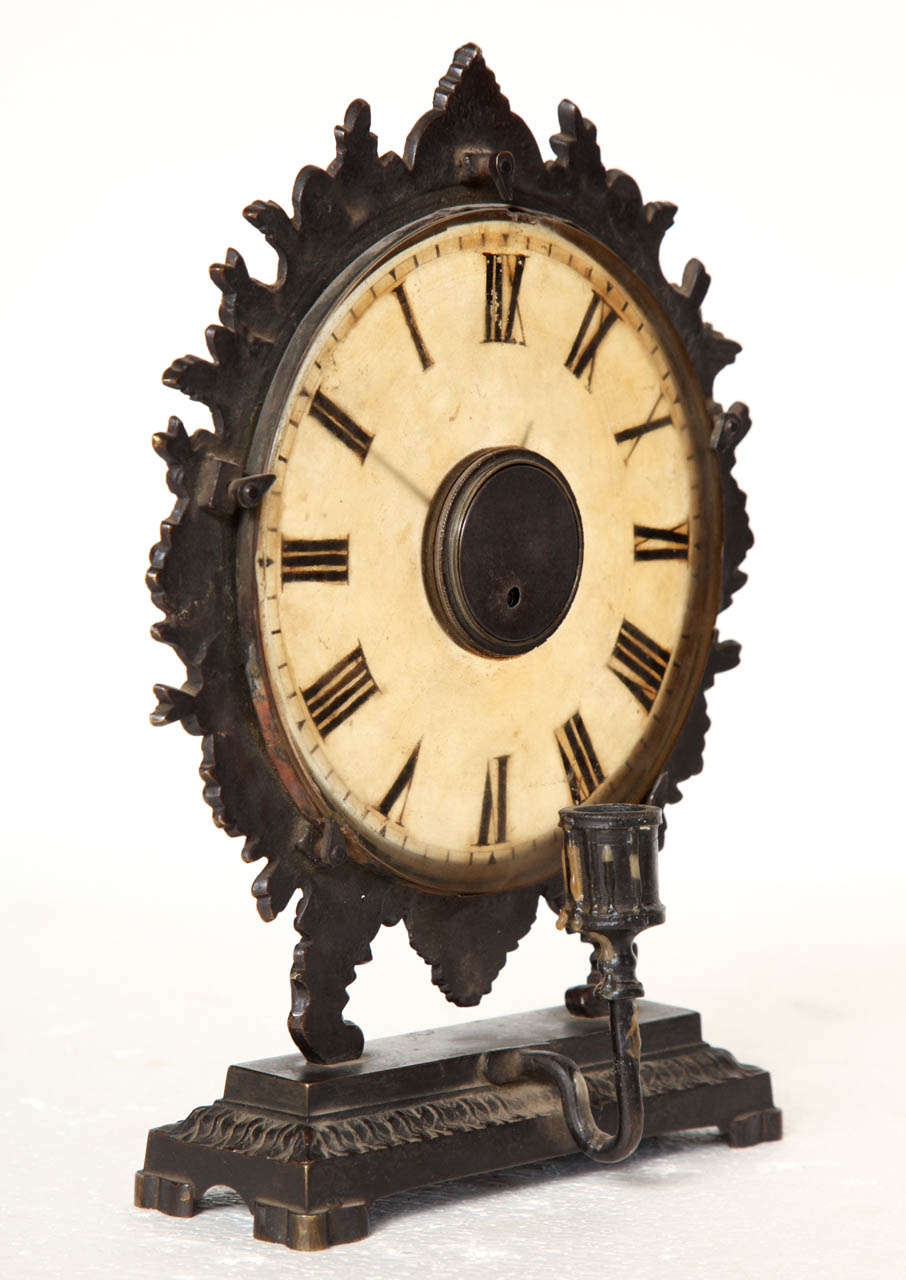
x=447 y=566
x=452 y=555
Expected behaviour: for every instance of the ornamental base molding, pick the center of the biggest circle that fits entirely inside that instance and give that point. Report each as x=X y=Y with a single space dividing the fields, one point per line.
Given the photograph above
x=309 y=1147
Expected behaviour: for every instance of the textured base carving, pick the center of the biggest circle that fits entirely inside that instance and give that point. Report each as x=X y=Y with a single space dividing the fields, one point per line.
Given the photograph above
x=308 y=1147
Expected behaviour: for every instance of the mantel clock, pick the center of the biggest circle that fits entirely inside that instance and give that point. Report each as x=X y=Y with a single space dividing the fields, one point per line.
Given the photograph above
x=449 y=563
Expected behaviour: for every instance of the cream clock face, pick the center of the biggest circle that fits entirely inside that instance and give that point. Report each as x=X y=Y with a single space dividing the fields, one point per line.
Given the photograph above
x=487 y=570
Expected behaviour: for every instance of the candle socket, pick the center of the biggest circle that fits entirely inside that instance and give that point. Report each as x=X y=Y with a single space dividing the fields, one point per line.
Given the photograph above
x=610 y=895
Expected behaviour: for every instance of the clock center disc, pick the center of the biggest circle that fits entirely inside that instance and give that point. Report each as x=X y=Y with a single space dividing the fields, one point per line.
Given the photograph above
x=502 y=551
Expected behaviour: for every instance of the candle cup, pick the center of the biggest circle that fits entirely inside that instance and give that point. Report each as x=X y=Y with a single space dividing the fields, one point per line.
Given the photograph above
x=610 y=895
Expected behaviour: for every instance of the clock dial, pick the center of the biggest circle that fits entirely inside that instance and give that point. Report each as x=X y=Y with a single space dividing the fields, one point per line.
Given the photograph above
x=487 y=571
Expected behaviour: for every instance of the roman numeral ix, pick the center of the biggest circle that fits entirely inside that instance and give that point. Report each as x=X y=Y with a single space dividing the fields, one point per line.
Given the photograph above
x=492 y=823
x=340 y=425
x=661 y=544
x=315 y=560
x=339 y=692
x=503 y=278
x=594 y=328
x=639 y=663
x=399 y=789
x=580 y=762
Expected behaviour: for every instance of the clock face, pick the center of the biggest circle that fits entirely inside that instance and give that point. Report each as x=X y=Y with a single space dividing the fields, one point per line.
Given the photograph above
x=487 y=572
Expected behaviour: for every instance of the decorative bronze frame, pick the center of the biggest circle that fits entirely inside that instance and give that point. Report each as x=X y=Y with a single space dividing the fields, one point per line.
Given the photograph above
x=469 y=149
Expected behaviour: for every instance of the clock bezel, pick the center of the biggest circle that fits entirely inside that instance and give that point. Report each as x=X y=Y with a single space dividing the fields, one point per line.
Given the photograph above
x=481 y=876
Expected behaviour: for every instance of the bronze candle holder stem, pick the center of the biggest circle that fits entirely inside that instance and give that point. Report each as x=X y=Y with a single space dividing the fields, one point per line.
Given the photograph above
x=610 y=896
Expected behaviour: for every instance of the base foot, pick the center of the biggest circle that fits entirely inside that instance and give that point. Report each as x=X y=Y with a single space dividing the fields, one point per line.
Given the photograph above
x=168 y=1195
x=755 y=1126
x=308 y=1229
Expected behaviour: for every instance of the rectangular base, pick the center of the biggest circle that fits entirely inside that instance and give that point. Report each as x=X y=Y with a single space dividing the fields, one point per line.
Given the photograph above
x=308 y=1147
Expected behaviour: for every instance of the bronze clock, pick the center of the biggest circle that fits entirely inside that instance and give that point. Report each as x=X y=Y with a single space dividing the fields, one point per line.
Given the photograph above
x=452 y=555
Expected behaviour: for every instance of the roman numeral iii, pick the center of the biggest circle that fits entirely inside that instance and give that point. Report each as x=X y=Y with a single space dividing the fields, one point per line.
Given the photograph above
x=340 y=424
x=492 y=822
x=594 y=328
x=580 y=762
x=503 y=278
x=661 y=544
x=639 y=663
x=339 y=692
x=315 y=560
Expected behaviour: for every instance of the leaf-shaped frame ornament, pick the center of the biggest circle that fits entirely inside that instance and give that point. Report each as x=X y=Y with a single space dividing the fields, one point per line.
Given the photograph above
x=469 y=149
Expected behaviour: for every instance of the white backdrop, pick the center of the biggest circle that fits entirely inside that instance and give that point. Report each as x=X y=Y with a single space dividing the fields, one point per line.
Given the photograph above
x=136 y=966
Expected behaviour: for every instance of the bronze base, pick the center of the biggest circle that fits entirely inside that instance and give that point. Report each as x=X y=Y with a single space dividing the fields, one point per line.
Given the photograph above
x=309 y=1147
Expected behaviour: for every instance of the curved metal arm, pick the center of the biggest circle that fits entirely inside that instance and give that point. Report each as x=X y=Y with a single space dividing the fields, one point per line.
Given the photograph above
x=510 y=1065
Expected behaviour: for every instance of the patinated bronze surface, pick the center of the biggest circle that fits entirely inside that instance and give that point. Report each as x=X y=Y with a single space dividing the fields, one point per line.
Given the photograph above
x=309 y=1147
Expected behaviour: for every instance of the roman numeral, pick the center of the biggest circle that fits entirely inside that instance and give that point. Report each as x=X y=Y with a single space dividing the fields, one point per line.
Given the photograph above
x=315 y=560
x=503 y=276
x=339 y=692
x=634 y=433
x=583 y=771
x=400 y=294
x=340 y=425
x=639 y=663
x=581 y=358
x=662 y=544
x=492 y=823
x=399 y=789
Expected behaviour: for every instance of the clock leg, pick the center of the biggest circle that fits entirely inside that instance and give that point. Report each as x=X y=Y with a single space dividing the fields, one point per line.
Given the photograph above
x=336 y=925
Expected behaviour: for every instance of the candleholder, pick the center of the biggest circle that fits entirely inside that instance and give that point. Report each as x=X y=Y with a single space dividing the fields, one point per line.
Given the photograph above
x=610 y=896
